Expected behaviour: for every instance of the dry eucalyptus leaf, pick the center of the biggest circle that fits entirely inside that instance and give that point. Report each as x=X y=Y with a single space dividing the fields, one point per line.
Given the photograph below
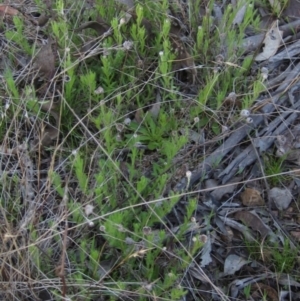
x=154 y=111
x=253 y=221
x=233 y=263
x=272 y=42
x=239 y=17
x=282 y=197
x=193 y=135
x=252 y=197
x=292 y=11
x=105 y=267
x=230 y=187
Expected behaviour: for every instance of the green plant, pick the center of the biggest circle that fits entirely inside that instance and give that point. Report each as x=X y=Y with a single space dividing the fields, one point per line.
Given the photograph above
x=126 y=85
x=273 y=169
x=284 y=257
x=247 y=291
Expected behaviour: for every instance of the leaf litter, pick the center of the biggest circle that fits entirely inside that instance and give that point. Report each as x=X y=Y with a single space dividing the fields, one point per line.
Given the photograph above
x=231 y=219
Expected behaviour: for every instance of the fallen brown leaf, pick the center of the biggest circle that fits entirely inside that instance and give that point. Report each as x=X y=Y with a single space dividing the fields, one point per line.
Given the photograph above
x=8 y=10
x=138 y=116
x=45 y=61
x=262 y=289
x=252 y=221
x=296 y=235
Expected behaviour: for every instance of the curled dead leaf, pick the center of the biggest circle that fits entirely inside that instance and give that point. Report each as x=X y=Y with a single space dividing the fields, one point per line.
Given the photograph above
x=252 y=197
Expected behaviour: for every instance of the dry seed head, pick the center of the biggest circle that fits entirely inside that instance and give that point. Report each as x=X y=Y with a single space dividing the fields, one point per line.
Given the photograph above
x=249 y=120
x=148 y=287
x=203 y=238
x=99 y=90
x=224 y=129
x=118 y=137
x=219 y=59
x=231 y=97
x=122 y=21
x=147 y=230
x=88 y=209
x=120 y=127
x=140 y=63
x=91 y=224
x=127 y=45
x=245 y=113
x=127 y=121
x=6 y=104
x=66 y=78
